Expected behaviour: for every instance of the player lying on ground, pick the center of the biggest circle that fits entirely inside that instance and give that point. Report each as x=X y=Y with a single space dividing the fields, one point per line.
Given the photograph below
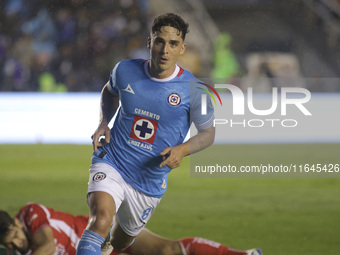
x=37 y=229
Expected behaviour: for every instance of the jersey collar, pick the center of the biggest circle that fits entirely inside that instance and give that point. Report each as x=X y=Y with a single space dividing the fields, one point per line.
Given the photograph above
x=174 y=74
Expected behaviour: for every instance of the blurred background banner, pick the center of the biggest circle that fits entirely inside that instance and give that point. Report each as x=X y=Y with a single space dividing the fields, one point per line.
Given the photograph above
x=73 y=117
x=58 y=46
x=48 y=117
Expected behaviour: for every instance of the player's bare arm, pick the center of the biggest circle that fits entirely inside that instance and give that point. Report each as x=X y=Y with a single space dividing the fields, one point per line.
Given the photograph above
x=108 y=106
x=172 y=156
x=43 y=242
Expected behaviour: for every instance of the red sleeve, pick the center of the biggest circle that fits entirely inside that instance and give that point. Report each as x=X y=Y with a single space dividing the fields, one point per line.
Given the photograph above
x=33 y=217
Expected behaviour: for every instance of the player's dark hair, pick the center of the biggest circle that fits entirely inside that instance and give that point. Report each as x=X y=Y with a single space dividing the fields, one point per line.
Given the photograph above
x=171 y=20
x=5 y=222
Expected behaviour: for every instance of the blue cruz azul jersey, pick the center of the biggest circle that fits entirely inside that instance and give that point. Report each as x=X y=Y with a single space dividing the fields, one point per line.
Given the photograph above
x=154 y=114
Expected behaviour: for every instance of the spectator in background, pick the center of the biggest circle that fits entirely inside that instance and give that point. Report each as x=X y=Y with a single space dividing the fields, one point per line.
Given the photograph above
x=225 y=62
x=65 y=39
x=44 y=35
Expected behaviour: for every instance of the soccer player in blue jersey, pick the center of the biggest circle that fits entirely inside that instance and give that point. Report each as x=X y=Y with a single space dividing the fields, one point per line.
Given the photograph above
x=156 y=101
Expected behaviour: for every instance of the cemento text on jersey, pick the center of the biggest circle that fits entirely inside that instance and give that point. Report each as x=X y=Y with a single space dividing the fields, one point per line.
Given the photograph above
x=147 y=114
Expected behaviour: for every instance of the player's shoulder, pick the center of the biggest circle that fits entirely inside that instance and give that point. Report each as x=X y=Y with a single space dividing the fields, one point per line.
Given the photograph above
x=127 y=70
x=187 y=75
x=30 y=206
x=30 y=209
x=192 y=80
x=130 y=63
x=184 y=74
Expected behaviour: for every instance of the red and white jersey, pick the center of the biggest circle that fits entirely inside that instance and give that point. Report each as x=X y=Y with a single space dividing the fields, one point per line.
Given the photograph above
x=67 y=228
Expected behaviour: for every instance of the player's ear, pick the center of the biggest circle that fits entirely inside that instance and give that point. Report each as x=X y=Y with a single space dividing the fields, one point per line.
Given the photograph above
x=17 y=222
x=184 y=46
x=149 y=42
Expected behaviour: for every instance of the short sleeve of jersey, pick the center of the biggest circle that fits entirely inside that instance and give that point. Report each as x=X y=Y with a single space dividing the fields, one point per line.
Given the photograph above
x=201 y=121
x=113 y=88
x=33 y=217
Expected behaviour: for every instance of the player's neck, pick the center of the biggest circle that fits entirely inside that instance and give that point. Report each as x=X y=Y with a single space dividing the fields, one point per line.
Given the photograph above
x=161 y=74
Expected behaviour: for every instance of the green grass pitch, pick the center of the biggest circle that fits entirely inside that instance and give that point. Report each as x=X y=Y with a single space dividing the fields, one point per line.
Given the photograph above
x=296 y=216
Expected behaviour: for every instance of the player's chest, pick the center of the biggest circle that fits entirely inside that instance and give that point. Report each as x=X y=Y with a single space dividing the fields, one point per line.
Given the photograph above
x=157 y=98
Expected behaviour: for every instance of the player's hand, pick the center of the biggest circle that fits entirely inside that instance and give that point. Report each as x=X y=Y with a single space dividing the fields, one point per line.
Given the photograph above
x=100 y=137
x=172 y=157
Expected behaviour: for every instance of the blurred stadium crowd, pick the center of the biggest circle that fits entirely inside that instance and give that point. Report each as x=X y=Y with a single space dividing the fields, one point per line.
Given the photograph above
x=63 y=45
x=291 y=42
x=72 y=45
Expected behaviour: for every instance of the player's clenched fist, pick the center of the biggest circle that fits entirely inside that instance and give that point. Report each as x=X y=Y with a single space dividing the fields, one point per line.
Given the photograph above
x=100 y=137
x=172 y=157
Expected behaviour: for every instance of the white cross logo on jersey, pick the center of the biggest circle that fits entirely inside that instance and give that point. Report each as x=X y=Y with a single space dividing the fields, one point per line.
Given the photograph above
x=143 y=129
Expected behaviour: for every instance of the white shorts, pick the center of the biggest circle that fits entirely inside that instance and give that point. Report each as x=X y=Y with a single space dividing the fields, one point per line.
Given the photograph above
x=133 y=208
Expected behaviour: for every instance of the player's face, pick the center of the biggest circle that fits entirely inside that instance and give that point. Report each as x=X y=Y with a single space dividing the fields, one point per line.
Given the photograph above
x=165 y=46
x=16 y=239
